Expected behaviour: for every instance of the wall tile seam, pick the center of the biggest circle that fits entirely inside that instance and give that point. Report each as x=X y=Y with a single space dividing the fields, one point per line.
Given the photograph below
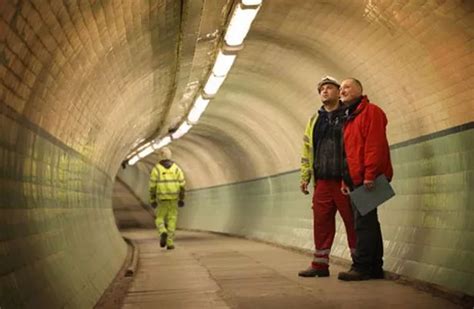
x=424 y=138
x=432 y=158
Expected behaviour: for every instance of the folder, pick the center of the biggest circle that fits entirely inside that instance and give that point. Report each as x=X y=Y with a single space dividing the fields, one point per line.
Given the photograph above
x=366 y=201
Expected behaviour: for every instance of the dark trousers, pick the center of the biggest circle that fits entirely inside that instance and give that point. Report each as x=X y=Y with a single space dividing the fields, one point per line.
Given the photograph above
x=369 y=247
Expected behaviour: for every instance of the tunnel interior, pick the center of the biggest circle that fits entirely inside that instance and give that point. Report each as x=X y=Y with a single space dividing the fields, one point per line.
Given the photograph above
x=84 y=83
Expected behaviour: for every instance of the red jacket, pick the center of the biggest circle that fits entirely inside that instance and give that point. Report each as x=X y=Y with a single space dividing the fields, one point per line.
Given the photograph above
x=365 y=143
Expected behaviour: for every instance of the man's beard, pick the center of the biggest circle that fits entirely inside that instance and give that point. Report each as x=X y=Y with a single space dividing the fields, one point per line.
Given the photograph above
x=329 y=101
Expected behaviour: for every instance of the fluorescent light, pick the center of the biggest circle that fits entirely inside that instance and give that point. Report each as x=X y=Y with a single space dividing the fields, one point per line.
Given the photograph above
x=143 y=146
x=239 y=25
x=197 y=110
x=145 y=152
x=223 y=64
x=213 y=84
x=183 y=129
x=251 y=2
x=133 y=160
x=162 y=143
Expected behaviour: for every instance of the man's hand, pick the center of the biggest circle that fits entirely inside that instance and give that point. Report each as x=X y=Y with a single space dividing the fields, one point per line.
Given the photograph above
x=369 y=185
x=180 y=203
x=154 y=205
x=304 y=188
x=345 y=189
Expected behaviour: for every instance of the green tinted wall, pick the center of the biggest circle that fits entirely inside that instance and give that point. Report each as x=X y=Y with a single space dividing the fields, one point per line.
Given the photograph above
x=59 y=246
x=429 y=227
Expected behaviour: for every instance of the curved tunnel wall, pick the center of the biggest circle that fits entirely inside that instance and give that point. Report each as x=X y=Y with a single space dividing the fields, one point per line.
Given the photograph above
x=75 y=77
x=83 y=83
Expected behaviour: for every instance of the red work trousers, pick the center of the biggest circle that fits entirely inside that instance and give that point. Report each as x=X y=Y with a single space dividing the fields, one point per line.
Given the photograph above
x=327 y=199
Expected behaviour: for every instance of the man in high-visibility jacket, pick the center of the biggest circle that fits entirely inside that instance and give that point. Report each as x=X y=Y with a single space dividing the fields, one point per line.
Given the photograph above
x=322 y=160
x=166 y=195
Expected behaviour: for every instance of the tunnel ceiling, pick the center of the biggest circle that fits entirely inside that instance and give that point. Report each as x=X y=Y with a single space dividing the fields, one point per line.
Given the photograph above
x=104 y=76
x=413 y=57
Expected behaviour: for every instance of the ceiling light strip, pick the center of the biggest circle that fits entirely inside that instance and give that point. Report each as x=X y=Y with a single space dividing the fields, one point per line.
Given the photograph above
x=242 y=17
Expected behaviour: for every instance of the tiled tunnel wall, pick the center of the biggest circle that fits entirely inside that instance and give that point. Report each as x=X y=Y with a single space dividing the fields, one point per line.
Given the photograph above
x=84 y=82
x=428 y=227
x=64 y=66
x=56 y=224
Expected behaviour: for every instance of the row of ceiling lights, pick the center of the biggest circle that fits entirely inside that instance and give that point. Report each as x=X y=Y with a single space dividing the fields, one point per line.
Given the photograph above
x=242 y=17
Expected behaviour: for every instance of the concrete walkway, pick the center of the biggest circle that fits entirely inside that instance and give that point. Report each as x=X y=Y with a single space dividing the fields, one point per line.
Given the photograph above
x=212 y=271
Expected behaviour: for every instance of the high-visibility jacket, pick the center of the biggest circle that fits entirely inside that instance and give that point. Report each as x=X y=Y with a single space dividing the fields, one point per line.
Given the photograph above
x=166 y=183
x=307 y=153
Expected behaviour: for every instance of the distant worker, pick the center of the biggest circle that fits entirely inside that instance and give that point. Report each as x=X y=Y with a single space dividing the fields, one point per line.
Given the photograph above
x=322 y=160
x=166 y=194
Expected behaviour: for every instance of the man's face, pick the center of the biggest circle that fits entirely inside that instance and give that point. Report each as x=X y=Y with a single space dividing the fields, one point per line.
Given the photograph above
x=349 y=91
x=329 y=93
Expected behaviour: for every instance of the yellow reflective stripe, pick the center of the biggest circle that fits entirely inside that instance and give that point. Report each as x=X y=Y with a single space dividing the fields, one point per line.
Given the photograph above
x=167 y=189
x=168 y=180
x=304 y=160
x=306 y=139
x=164 y=197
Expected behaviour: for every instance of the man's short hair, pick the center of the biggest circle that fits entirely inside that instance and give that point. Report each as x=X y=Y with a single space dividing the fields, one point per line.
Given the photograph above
x=358 y=83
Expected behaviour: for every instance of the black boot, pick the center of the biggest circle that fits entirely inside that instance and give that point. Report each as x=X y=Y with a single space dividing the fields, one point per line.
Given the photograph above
x=377 y=274
x=312 y=272
x=353 y=275
x=163 y=238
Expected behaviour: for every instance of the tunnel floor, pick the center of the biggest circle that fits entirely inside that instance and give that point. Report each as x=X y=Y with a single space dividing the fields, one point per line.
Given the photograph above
x=213 y=271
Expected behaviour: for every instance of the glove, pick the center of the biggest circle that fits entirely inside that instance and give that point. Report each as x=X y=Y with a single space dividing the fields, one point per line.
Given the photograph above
x=304 y=188
x=180 y=203
x=154 y=205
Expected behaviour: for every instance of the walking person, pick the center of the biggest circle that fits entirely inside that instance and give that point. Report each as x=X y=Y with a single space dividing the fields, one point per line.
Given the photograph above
x=166 y=195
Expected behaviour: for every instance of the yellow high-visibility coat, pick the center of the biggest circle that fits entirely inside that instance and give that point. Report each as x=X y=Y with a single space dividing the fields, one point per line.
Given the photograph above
x=166 y=183
x=307 y=153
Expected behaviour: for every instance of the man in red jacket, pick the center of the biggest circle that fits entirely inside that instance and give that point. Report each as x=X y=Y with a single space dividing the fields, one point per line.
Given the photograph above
x=367 y=155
